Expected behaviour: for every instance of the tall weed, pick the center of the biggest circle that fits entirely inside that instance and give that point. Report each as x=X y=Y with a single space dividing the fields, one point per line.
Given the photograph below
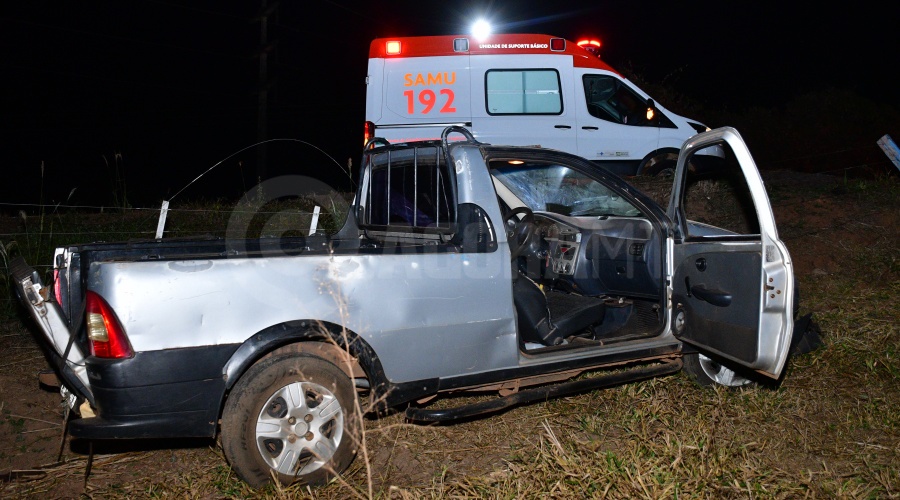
x=6 y=254
x=116 y=167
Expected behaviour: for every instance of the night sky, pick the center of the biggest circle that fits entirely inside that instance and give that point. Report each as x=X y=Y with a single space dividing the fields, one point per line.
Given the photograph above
x=171 y=86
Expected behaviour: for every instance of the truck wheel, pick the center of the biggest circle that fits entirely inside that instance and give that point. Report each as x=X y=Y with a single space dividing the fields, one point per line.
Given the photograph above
x=707 y=372
x=291 y=417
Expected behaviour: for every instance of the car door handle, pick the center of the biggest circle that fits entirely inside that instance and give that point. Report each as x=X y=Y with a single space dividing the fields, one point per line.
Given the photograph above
x=714 y=297
x=563 y=126
x=589 y=127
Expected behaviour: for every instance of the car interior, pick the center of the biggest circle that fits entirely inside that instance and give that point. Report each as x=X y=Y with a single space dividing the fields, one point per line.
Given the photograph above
x=588 y=263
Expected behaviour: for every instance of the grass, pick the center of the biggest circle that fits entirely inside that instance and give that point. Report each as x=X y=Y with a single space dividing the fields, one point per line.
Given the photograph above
x=830 y=430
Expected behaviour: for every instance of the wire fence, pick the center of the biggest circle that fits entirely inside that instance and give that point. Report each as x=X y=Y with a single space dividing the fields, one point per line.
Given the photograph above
x=60 y=213
x=45 y=212
x=34 y=235
x=111 y=209
x=64 y=224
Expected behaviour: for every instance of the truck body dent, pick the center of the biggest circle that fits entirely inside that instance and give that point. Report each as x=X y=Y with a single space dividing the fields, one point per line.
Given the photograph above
x=383 y=298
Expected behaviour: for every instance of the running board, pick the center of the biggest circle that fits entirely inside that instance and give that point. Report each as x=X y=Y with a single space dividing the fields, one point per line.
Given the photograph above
x=425 y=415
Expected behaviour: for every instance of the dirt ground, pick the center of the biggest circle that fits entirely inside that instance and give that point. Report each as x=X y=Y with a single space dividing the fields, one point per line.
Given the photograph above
x=817 y=215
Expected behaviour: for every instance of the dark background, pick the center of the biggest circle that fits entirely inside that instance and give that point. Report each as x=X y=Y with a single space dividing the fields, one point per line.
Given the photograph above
x=127 y=102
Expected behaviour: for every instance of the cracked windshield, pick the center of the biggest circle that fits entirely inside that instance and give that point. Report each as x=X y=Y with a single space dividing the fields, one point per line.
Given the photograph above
x=559 y=189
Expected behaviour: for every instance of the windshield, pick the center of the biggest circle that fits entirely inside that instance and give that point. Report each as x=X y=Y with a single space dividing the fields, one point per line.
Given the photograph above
x=547 y=187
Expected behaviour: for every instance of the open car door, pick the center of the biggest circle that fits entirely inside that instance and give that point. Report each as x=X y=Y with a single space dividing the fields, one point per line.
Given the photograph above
x=732 y=278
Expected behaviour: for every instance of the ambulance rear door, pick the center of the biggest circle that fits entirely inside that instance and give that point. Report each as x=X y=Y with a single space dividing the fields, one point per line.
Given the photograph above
x=523 y=99
x=418 y=96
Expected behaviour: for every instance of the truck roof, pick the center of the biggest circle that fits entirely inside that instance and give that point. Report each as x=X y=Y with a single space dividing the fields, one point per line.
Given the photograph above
x=507 y=44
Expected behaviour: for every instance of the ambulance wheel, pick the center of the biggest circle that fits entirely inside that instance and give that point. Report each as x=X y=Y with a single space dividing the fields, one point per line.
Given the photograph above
x=661 y=165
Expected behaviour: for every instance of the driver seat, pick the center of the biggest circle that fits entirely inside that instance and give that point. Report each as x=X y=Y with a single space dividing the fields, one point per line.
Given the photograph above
x=534 y=322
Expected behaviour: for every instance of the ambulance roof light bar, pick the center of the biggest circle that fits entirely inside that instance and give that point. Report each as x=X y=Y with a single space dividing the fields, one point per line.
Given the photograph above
x=592 y=46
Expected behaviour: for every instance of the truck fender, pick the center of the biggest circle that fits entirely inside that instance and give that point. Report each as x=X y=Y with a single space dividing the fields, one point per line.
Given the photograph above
x=344 y=348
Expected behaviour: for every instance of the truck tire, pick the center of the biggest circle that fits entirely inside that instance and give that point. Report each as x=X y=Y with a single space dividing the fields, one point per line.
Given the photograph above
x=291 y=416
x=708 y=372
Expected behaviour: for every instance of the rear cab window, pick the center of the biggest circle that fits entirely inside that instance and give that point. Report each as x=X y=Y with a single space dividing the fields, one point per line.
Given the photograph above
x=410 y=192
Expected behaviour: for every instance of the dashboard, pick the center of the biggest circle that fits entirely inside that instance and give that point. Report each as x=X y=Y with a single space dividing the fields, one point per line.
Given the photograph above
x=606 y=255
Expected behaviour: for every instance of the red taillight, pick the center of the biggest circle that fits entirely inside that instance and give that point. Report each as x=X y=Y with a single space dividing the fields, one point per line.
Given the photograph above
x=369 y=133
x=57 y=292
x=106 y=334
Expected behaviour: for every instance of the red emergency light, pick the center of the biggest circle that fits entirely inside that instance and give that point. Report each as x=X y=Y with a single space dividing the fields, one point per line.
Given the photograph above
x=392 y=47
x=369 y=132
x=592 y=46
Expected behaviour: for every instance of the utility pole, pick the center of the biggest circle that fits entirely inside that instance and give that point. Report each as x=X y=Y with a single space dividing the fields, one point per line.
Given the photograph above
x=262 y=114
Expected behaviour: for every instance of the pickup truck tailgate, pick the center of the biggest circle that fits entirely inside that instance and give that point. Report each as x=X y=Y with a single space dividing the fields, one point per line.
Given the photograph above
x=64 y=355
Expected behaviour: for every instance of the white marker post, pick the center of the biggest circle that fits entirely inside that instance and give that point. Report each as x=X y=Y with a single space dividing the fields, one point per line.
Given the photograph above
x=890 y=149
x=161 y=226
x=315 y=220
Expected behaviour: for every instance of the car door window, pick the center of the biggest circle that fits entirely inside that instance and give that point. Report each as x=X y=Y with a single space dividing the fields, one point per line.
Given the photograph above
x=608 y=98
x=717 y=201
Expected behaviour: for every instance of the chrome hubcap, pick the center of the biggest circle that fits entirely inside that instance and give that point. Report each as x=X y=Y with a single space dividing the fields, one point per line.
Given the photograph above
x=720 y=374
x=299 y=428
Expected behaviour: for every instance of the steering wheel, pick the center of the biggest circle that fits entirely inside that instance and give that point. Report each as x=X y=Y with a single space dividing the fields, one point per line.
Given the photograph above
x=519 y=232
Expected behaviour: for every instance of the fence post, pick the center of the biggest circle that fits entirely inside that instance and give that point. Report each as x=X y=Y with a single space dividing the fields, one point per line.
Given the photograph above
x=315 y=221
x=161 y=226
x=890 y=149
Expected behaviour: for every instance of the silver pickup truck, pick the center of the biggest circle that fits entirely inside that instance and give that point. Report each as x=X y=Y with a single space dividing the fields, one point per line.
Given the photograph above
x=524 y=272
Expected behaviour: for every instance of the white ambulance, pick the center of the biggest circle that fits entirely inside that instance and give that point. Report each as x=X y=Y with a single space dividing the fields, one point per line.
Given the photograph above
x=522 y=89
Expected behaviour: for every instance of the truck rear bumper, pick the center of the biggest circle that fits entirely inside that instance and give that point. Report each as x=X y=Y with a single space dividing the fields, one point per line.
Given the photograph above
x=156 y=394
x=159 y=425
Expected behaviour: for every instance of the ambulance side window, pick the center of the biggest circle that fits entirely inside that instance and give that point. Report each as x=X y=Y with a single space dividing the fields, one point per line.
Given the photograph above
x=609 y=99
x=523 y=92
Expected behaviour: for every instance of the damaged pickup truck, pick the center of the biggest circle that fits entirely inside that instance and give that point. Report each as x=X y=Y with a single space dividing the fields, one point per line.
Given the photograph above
x=524 y=272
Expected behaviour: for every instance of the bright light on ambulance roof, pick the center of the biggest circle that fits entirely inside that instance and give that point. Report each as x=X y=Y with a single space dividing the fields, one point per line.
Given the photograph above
x=481 y=29
x=392 y=47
